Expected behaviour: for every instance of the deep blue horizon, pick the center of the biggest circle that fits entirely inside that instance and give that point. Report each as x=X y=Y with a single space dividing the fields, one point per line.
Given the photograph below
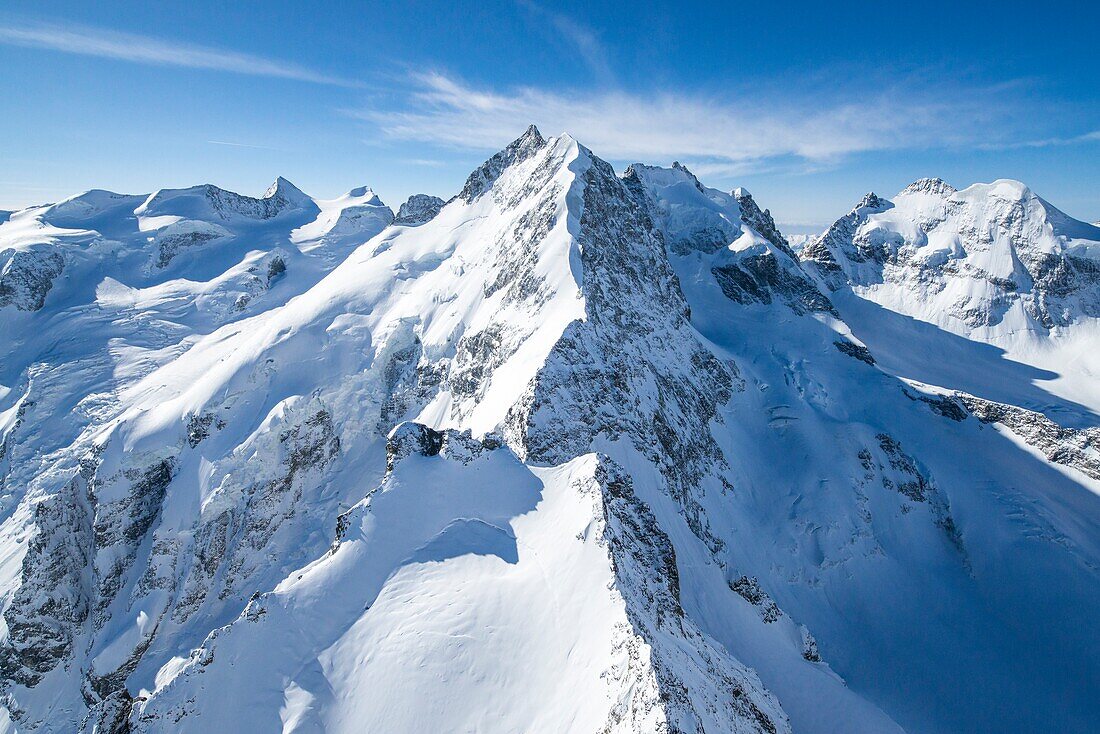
x=808 y=107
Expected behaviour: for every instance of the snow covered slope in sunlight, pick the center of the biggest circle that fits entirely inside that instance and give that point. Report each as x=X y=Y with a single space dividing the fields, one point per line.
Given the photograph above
x=571 y=451
x=455 y=590
x=993 y=263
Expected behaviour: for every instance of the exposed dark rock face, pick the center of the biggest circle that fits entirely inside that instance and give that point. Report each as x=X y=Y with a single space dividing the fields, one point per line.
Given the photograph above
x=900 y=472
x=418 y=209
x=945 y=405
x=169 y=245
x=749 y=589
x=228 y=547
x=856 y=351
x=276 y=266
x=1077 y=448
x=26 y=276
x=199 y=425
x=1057 y=278
x=809 y=646
x=758 y=278
x=761 y=221
x=913 y=485
x=55 y=598
x=411 y=438
x=127 y=505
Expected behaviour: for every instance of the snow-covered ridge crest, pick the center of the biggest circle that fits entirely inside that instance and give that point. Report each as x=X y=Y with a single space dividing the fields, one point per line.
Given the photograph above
x=203 y=201
x=990 y=259
x=930 y=186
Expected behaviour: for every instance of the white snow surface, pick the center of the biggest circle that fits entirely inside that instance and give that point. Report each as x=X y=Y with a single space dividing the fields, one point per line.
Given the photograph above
x=578 y=453
x=993 y=263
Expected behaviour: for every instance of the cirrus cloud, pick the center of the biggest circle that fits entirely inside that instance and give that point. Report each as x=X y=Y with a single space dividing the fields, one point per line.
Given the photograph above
x=722 y=134
x=103 y=43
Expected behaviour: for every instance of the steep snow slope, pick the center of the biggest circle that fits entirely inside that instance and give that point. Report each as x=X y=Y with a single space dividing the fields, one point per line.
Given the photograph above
x=993 y=263
x=468 y=592
x=570 y=452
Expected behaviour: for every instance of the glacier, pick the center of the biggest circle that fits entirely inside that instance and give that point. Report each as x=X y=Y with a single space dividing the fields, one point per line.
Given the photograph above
x=573 y=451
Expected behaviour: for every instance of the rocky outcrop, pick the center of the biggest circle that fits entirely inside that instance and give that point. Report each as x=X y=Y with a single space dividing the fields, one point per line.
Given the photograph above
x=47 y=613
x=855 y=351
x=26 y=276
x=411 y=438
x=748 y=588
x=761 y=277
x=809 y=646
x=185 y=235
x=761 y=221
x=418 y=209
x=1072 y=447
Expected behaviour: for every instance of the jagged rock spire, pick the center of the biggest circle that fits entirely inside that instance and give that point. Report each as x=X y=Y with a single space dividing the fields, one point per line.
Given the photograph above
x=761 y=220
x=871 y=200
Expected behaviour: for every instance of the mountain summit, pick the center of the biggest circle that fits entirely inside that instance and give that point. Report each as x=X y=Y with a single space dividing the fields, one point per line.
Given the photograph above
x=571 y=451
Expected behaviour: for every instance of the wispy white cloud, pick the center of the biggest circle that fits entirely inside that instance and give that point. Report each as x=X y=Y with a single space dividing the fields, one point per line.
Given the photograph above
x=723 y=135
x=88 y=41
x=425 y=162
x=583 y=39
x=1090 y=137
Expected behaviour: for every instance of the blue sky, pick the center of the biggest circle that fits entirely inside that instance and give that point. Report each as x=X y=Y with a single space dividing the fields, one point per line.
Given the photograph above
x=808 y=105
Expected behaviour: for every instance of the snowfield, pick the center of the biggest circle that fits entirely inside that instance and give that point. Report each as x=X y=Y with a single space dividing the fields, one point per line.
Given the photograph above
x=573 y=451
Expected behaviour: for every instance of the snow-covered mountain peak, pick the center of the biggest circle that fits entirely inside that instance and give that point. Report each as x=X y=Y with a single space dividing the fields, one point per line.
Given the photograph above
x=692 y=217
x=657 y=176
x=286 y=192
x=929 y=186
x=761 y=221
x=993 y=262
x=870 y=203
x=517 y=151
x=362 y=195
x=1005 y=189
x=359 y=212
x=210 y=202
